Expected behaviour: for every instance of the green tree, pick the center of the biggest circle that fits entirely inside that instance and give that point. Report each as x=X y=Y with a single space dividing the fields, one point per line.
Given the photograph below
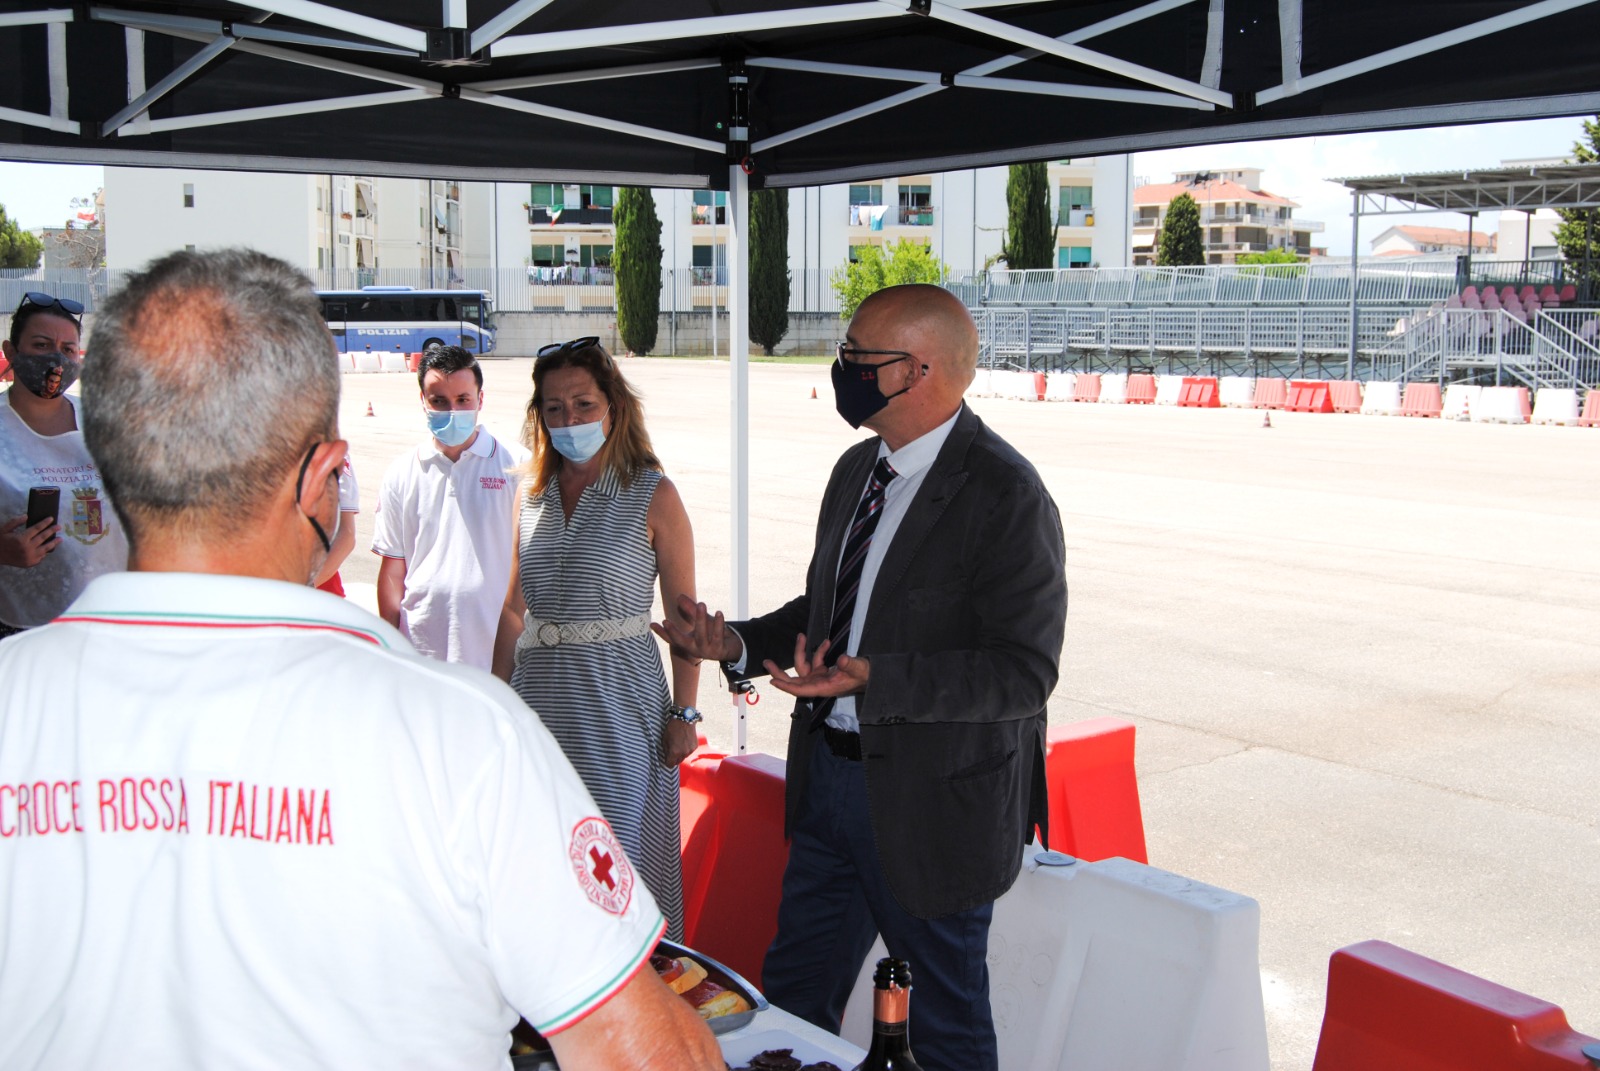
x=636 y=267
x=769 y=268
x=1271 y=256
x=18 y=248
x=1577 y=235
x=879 y=266
x=1180 y=234
x=1030 y=225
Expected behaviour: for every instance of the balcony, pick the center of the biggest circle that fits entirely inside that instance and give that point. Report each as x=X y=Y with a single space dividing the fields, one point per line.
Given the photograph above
x=1079 y=217
x=877 y=217
x=550 y=215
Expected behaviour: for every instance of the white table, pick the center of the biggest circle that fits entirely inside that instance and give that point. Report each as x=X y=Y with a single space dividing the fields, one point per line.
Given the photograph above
x=777 y=1029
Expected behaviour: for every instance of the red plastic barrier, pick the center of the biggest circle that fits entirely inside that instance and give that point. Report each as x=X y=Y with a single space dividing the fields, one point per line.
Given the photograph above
x=733 y=856
x=1345 y=395
x=1038 y=385
x=1421 y=400
x=413 y=361
x=1141 y=390
x=1199 y=392
x=1591 y=410
x=1094 y=794
x=1308 y=396
x=1393 y=1010
x=1523 y=403
x=1270 y=393
x=1086 y=388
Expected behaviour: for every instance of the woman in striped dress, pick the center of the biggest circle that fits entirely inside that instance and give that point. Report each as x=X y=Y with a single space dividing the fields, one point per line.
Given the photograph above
x=599 y=523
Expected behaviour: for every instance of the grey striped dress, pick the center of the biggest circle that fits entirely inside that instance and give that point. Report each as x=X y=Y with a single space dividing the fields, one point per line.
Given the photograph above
x=605 y=703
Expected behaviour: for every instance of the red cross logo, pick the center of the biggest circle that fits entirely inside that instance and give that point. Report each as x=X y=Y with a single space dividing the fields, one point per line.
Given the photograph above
x=602 y=867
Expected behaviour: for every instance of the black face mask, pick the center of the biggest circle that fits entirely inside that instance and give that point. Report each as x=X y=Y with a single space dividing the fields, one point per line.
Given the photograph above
x=855 y=389
x=47 y=375
x=327 y=544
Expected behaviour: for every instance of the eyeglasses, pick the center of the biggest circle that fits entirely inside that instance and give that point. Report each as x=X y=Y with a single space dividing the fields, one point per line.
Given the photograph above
x=39 y=300
x=566 y=347
x=848 y=353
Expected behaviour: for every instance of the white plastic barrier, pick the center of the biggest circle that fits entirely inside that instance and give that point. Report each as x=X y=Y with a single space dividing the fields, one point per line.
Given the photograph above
x=1058 y=386
x=347 y=362
x=393 y=362
x=1381 y=398
x=1022 y=387
x=1553 y=405
x=1114 y=388
x=1500 y=405
x=1114 y=964
x=369 y=362
x=1237 y=392
x=1168 y=390
x=1462 y=401
x=981 y=385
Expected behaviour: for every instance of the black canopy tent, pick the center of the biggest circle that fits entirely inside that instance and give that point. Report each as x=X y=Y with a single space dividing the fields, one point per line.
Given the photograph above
x=729 y=93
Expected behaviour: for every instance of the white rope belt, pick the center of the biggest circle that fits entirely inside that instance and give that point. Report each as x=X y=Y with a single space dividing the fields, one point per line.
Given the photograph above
x=537 y=633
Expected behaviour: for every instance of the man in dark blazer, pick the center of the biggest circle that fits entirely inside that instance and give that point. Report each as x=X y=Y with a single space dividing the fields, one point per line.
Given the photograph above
x=922 y=654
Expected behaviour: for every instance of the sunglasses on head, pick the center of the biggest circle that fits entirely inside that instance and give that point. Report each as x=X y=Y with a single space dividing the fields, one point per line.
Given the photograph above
x=573 y=346
x=40 y=300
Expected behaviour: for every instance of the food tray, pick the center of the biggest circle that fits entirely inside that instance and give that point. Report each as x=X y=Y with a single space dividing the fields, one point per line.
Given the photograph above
x=541 y=1059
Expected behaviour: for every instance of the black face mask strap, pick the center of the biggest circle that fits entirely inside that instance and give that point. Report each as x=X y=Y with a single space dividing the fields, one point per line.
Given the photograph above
x=327 y=545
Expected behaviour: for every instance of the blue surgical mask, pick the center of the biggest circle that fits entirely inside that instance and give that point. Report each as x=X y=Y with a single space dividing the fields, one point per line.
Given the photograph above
x=579 y=442
x=452 y=427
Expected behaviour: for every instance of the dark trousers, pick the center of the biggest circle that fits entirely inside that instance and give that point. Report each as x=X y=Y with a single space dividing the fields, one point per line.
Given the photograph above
x=835 y=900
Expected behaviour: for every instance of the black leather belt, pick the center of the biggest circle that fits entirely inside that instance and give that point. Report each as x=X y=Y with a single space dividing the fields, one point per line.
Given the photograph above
x=842 y=744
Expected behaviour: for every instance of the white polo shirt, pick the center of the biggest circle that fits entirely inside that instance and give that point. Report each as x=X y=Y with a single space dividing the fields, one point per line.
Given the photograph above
x=453 y=523
x=243 y=825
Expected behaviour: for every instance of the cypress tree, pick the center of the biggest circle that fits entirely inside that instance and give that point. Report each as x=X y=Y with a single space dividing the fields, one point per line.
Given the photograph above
x=1181 y=244
x=636 y=267
x=769 y=268
x=1030 y=225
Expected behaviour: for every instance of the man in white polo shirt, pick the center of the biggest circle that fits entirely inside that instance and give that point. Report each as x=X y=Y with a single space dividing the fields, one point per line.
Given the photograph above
x=444 y=525
x=242 y=823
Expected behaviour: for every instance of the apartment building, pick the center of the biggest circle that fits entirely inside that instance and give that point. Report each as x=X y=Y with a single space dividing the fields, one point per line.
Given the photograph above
x=1237 y=216
x=1414 y=241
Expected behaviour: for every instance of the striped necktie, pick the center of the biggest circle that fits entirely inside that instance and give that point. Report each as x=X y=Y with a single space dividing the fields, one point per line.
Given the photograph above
x=851 y=561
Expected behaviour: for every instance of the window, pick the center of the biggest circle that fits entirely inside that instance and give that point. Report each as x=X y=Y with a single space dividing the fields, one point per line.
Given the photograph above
x=1076 y=197
x=188 y=197
x=548 y=256
x=855 y=252
x=1074 y=256
x=703 y=256
x=710 y=206
x=916 y=196
x=592 y=255
x=545 y=195
x=871 y=194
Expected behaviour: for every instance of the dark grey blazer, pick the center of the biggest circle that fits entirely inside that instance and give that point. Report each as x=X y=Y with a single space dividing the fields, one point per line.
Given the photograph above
x=964 y=633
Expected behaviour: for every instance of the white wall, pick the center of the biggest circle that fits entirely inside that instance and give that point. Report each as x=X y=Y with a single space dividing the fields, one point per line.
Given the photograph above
x=267 y=212
x=1515 y=240
x=1113 y=211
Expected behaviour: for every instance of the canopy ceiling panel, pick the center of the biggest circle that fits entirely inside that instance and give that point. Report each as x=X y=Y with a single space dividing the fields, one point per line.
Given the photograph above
x=670 y=92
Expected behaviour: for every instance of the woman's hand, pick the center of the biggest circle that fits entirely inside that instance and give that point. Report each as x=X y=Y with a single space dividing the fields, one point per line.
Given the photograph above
x=23 y=548
x=678 y=741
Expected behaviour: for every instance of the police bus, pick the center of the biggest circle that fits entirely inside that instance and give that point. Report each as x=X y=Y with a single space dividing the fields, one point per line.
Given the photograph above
x=401 y=319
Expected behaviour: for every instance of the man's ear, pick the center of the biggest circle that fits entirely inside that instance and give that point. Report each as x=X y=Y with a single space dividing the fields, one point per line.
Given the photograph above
x=327 y=459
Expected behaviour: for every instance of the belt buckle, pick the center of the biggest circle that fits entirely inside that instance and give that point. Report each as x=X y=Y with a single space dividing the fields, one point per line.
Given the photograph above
x=549 y=634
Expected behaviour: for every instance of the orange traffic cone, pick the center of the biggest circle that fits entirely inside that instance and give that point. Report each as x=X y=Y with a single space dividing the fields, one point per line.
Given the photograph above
x=1266 y=419
x=369 y=410
x=813 y=392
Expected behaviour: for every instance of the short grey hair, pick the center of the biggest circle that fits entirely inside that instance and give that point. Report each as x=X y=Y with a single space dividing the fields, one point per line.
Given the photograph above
x=213 y=374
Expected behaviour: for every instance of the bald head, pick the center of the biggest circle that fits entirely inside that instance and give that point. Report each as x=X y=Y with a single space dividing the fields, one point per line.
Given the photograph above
x=932 y=323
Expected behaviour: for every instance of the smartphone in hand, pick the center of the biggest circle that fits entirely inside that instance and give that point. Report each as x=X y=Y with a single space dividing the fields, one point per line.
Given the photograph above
x=43 y=503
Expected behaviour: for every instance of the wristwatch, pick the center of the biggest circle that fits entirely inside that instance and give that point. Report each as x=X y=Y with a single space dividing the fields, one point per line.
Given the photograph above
x=688 y=714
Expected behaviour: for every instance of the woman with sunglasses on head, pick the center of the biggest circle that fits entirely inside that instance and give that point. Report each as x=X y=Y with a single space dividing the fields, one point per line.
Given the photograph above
x=598 y=525
x=44 y=565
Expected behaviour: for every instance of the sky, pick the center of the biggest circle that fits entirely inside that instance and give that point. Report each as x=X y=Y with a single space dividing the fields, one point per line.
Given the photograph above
x=38 y=195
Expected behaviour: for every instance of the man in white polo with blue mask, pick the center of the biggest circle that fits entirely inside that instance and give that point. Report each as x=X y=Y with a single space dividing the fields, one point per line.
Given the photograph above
x=445 y=519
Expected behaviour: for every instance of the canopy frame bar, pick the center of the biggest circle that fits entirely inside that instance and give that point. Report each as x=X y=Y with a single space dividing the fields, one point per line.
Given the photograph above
x=1390 y=57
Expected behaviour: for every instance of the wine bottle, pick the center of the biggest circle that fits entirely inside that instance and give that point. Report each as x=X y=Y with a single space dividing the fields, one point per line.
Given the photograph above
x=891 y=1019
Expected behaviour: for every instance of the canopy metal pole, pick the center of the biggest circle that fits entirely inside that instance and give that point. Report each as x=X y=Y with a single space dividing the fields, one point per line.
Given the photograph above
x=1355 y=270
x=738 y=255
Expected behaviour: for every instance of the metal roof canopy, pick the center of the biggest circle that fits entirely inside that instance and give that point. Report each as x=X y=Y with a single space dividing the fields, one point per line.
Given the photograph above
x=1519 y=189
x=669 y=92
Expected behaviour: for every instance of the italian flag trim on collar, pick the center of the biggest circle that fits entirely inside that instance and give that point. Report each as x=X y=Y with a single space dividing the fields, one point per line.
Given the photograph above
x=221 y=621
